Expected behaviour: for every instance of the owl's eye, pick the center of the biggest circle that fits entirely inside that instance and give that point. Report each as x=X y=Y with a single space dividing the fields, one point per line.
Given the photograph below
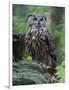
x=35 y=19
x=41 y=19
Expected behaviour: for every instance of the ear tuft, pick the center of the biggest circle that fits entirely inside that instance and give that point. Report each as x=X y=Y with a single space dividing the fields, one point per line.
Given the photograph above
x=45 y=18
x=30 y=15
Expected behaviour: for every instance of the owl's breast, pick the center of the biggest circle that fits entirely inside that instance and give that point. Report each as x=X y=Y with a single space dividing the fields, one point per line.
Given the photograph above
x=36 y=39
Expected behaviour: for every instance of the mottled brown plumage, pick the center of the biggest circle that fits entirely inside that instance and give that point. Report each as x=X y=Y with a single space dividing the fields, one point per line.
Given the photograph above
x=40 y=42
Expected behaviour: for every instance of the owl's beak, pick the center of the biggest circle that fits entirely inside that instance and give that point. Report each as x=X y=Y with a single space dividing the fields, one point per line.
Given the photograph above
x=38 y=25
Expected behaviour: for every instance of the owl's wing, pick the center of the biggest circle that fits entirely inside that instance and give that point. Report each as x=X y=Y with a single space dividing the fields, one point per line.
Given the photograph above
x=51 y=49
x=50 y=41
x=49 y=44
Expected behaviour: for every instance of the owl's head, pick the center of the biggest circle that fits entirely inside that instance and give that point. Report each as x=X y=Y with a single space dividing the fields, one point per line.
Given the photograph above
x=37 y=21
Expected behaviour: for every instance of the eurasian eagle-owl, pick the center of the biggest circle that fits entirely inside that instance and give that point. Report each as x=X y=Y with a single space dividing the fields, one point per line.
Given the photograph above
x=40 y=42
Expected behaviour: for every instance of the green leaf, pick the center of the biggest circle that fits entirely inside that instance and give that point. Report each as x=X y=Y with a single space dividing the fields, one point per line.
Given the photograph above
x=29 y=58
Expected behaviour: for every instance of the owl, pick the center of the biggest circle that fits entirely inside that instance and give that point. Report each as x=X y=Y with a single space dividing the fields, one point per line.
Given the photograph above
x=40 y=43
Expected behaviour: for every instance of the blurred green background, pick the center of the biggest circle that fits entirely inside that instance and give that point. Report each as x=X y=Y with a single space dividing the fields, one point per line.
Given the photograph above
x=56 y=26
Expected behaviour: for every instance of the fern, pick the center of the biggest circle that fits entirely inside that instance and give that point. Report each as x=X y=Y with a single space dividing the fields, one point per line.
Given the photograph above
x=61 y=72
x=25 y=73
